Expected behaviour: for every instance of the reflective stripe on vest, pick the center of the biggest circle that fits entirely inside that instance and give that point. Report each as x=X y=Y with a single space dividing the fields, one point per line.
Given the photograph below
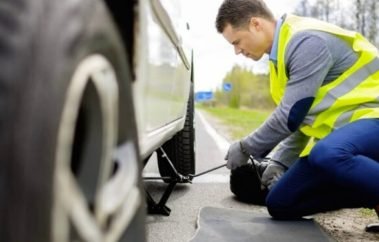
x=353 y=95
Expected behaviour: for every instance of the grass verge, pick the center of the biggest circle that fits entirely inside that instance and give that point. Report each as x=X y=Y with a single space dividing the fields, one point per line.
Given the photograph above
x=240 y=121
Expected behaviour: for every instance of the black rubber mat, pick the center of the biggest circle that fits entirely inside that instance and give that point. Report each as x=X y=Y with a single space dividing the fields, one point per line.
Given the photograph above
x=230 y=225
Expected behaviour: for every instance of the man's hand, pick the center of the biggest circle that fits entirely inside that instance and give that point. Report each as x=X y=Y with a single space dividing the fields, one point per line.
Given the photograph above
x=272 y=174
x=236 y=156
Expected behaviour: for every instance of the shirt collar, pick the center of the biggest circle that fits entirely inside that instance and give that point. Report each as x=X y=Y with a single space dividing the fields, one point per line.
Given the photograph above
x=274 y=49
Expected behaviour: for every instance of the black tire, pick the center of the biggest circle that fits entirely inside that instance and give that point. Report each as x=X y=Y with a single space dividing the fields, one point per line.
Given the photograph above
x=181 y=148
x=43 y=45
x=246 y=186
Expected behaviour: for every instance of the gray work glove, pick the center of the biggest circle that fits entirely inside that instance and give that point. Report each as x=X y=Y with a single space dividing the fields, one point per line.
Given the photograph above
x=272 y=174
x=260 y=165
x=236 y=156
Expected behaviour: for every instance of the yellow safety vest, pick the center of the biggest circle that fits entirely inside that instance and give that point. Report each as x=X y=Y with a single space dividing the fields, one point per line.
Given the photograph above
x=353 y=95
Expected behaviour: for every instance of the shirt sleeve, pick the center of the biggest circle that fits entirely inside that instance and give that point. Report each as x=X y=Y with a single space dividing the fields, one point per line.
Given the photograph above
x=308 y=61
x=289 y=149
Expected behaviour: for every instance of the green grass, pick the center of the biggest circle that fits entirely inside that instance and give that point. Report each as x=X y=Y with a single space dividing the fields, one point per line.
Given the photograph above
x=366 y=212
x=240 y=121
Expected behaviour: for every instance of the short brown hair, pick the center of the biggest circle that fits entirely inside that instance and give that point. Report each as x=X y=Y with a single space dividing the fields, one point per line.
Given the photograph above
x=239 y=12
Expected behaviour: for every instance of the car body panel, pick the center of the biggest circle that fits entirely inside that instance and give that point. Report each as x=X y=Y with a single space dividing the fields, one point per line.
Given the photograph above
x=162 y=64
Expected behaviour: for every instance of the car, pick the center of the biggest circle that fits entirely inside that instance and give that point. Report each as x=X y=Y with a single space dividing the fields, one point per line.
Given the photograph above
x=89 y=90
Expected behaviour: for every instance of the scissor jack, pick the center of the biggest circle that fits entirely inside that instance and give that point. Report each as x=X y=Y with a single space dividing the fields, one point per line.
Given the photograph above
x=160 y=208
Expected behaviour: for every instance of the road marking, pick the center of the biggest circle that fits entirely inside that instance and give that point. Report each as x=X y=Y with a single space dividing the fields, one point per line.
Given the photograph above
x=220 y=141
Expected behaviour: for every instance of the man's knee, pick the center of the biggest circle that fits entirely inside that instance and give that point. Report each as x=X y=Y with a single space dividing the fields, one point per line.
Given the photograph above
x=273 y=208
x=324 y=155
x=320 y=154
x=278 y=209
x=246 y=186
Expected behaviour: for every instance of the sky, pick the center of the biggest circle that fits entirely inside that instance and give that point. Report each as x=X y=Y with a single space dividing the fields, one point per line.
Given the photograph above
x=214 y=56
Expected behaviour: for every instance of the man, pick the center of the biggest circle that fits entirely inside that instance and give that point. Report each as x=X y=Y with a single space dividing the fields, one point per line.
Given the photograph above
x=325 y=82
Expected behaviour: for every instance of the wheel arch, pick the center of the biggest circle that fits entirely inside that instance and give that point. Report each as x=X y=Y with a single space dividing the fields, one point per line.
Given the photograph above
x=124 y=16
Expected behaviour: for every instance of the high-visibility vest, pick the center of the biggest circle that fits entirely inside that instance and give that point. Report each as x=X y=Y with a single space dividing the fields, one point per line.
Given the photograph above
x=353 y=95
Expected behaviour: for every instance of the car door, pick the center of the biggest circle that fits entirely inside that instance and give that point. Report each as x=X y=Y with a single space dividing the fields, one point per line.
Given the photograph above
x=181 y=39
x=157 y=64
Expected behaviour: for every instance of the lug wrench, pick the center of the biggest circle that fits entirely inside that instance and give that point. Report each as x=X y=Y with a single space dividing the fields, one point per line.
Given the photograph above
x=187 y=178
x=207 y=171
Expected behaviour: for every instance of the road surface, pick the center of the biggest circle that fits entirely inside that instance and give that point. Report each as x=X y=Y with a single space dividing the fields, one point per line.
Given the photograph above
x=208 y=190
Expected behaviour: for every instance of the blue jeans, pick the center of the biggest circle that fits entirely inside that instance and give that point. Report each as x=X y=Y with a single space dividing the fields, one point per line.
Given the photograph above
x=342 y=171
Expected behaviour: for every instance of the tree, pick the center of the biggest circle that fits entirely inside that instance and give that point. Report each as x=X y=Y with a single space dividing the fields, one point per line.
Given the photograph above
x=360 y=16
x=373 y=20
x=302 y=8
x=248 y=89
x=365 y=14
x=340 y=15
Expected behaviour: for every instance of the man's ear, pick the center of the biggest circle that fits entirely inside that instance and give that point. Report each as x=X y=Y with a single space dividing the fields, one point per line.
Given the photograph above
x=255 y=23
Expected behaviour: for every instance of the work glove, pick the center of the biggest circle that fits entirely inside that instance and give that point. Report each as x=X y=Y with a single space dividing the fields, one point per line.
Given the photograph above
x=236 y=156
x=260 y=166
x=272 y=174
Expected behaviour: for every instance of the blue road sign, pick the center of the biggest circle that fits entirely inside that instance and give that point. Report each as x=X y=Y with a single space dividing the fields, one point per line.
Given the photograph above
x=227 y=87
x=203 y=96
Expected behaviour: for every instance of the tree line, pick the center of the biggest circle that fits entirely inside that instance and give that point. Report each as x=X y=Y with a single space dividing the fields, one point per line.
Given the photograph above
x=248 y=90
x=357 y=15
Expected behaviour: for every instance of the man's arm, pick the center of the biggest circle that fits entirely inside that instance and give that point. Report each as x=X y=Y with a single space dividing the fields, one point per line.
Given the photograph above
x=289 y=149
x=308 y=61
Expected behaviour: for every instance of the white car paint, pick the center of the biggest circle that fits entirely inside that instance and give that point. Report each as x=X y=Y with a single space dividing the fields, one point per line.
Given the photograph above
x=163 y=72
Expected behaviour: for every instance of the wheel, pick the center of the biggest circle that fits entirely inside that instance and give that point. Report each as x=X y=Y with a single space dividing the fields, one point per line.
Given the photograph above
x=64 y=90
x=246 y=186
x=181 y=148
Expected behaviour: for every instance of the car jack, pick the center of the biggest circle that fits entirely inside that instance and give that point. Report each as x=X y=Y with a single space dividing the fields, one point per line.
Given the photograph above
x=160 y=207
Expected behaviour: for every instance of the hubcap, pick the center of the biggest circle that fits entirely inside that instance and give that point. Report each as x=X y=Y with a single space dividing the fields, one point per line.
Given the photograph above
x=93 y=201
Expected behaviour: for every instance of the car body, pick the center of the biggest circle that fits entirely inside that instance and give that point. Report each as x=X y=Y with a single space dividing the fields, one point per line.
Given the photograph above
x=163 y=69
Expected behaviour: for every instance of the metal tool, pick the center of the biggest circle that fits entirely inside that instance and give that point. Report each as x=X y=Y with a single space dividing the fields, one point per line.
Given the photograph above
x=374 y=227
x=160 y=207
x=207 y=171
x=256 y=169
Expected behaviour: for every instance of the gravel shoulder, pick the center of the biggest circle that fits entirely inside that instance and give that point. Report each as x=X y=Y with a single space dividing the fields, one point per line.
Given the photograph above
x=345 y=225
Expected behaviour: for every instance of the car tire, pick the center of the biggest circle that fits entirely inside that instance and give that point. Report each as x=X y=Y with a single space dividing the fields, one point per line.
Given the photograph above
x=63 y=80
x=246 y=186
x=181 y=148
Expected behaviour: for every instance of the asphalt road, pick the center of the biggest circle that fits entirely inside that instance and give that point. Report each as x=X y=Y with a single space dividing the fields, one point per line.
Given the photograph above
x=208 y=190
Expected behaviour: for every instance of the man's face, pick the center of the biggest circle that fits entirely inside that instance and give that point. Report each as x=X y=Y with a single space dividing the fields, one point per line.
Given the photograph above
x=249 y=41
